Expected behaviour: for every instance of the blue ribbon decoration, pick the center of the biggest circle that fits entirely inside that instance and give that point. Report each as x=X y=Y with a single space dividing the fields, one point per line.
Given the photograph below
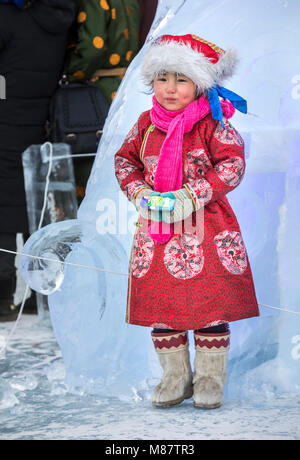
x=213 y=96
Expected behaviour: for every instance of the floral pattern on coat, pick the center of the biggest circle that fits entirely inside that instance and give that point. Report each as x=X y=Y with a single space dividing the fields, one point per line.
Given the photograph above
x=142 y=254
x=229 y=135
x=131 y=136
x=124 y=167
x=231 y=171
x=231 y=251
x=183 y=256
x=150 y=169
x=197 y=164
x=132 y=188
x=201 y=192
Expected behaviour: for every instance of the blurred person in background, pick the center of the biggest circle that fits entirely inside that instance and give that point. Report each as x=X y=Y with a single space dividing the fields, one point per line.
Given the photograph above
x=148 y=10
x=105 y=39
x=33 y=41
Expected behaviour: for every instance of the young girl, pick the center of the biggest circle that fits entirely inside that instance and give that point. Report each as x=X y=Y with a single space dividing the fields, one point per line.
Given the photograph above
x=196 y=275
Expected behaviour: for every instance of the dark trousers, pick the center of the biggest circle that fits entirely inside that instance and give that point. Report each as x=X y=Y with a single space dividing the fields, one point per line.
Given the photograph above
x=7 y=260
x=221 y=328
x=7 y=265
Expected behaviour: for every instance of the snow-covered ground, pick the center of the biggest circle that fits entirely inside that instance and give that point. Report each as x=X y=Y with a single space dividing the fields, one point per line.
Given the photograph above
x=36 y=404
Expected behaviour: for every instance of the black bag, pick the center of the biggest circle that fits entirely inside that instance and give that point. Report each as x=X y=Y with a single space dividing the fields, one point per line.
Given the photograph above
x=77 y=115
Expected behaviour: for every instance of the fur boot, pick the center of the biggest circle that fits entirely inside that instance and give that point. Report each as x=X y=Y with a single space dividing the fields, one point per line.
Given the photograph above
x=210 y=369
x=174 y=357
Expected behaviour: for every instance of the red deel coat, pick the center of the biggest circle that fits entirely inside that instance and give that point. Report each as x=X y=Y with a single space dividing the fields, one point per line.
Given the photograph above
x=202 y=275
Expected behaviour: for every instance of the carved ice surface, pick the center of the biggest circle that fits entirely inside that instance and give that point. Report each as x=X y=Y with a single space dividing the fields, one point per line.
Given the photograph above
x=8 y=398
x=50 y=247
x=106 y=355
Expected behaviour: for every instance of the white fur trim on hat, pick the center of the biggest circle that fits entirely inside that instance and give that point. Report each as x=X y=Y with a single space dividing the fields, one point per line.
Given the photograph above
x=181 y=58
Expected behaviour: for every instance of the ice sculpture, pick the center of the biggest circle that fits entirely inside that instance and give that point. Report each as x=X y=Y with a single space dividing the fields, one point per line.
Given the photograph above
x=51 y=246
x=108 y=355
x=50 y=191
x=61 y=201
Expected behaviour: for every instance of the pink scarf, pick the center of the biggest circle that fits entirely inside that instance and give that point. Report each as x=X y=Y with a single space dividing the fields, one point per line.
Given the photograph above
x=168 y=176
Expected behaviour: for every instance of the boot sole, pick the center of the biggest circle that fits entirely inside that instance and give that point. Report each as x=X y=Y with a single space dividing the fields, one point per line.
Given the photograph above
x=208 y=406
x=174 y=402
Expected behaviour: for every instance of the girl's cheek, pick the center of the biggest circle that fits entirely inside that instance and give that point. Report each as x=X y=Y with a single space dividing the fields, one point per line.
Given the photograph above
x=158 y=93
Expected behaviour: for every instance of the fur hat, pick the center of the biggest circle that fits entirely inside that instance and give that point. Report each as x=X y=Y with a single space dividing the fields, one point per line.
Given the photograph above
x=203 y=62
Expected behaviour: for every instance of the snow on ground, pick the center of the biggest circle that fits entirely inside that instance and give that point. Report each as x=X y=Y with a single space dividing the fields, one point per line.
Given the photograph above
x=36 y=404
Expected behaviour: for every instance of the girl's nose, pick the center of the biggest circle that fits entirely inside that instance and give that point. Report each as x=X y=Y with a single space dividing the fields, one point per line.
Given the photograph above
x=171 y=87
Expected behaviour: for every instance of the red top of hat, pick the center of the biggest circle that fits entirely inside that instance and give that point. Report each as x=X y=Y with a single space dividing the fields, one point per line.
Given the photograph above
x=203 y=62
x=210 y=50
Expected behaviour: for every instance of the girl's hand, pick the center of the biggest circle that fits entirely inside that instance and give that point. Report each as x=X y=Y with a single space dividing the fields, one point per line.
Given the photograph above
x=145 y=212
x=183 y=207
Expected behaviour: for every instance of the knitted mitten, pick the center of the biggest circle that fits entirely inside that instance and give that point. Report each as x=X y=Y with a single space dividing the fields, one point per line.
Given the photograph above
x=183 y=207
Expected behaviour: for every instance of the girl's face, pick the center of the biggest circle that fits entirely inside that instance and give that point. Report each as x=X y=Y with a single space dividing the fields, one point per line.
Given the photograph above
x=174 y=91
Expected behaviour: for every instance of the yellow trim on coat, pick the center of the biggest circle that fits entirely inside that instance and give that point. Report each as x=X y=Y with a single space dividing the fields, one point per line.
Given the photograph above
x=149 y=130
x=190 y=194
x=127 y=318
